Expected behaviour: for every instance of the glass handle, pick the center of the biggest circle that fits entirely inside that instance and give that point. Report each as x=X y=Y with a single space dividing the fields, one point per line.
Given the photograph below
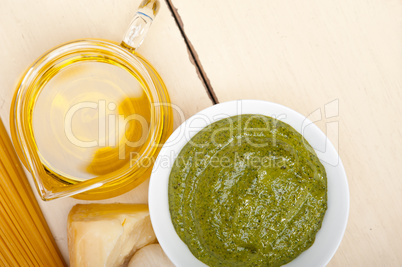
x=140 y=24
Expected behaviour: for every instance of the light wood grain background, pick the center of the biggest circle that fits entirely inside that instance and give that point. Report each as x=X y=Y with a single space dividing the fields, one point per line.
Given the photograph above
x=302 y=54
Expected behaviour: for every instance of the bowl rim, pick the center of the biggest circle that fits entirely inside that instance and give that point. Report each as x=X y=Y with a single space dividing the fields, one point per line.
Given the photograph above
x=335 y=220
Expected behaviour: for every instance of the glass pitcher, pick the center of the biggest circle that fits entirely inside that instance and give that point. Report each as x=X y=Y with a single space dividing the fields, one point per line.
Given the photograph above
x=89 y=117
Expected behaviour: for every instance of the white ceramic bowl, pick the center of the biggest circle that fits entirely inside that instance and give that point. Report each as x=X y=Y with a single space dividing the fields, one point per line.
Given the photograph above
x=333 y=227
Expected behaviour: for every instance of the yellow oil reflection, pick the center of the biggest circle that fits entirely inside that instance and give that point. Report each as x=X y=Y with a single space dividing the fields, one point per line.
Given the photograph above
x=134 y=117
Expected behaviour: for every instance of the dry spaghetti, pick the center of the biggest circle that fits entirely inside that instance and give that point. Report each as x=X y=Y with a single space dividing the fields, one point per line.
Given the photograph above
x=25 y=238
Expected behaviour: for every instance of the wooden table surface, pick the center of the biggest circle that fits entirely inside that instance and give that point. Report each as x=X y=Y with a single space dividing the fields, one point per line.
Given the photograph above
x=342 y=59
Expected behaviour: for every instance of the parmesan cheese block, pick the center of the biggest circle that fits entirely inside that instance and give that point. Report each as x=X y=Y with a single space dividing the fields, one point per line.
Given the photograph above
x=107 y=234
x=150 y=256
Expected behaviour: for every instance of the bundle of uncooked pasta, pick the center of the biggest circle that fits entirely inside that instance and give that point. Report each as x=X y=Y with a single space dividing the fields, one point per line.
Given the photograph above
x=25 y=238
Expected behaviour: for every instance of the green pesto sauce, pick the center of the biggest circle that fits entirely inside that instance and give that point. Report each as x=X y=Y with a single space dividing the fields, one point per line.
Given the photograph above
x=247 y=191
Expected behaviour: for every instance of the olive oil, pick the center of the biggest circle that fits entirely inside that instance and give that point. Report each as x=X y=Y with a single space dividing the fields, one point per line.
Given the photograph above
x=89 y=116
x=84 y=117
